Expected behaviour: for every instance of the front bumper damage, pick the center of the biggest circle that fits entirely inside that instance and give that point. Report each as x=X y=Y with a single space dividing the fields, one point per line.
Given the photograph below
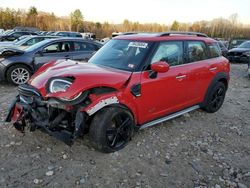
x=30 y=111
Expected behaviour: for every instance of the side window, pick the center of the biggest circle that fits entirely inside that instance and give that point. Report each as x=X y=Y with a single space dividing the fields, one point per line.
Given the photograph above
x=171 y=52
x=84 y=46
x=196 y=51
x=58 y=47
x=214 y=50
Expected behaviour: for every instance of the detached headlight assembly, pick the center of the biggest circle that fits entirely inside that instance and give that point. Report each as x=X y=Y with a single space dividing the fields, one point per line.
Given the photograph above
x=59 y=85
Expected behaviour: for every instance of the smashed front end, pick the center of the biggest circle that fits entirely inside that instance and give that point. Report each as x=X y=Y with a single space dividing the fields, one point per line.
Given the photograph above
x=63 y=120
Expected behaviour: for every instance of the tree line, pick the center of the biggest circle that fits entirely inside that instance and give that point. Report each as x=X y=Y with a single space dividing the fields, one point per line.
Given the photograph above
x=218 y=28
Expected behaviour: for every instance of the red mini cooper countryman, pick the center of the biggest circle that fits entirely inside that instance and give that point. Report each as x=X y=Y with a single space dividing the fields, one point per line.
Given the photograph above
x=133 y=82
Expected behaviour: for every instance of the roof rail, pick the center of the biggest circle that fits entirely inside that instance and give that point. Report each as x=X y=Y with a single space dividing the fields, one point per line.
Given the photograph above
x=182 y=33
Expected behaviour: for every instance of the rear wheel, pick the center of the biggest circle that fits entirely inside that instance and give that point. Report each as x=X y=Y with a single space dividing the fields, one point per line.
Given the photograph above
x=111 y=129
x=18 y=74
x=215 y=98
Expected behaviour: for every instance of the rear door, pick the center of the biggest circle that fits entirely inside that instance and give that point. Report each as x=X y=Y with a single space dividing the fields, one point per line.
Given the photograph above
x=54 y=51
x=84 y=50
x=200 y=67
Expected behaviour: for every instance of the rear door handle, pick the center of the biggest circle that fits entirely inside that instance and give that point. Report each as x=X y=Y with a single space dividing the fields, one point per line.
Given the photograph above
x=181 y=77
x=213 y=68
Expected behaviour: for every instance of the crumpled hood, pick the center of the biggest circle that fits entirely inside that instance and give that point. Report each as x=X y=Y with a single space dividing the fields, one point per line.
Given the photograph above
x=8 y=52
x=86 y=76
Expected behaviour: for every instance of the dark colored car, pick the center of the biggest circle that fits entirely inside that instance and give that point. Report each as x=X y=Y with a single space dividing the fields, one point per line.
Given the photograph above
x=15 y=34
x=241 y=54
x=17 y=65
x=25 y=42
x=67 y=34
x=234 y=43
x=132 y=82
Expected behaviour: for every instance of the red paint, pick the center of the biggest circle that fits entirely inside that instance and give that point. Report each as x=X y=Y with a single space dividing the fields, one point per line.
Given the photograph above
x=173 y=89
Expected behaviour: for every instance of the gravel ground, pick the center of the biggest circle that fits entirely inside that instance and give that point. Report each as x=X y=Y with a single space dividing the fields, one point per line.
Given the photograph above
x=194 y=150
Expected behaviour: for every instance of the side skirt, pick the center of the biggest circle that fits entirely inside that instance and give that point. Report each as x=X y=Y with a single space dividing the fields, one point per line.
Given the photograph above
x=171 y=116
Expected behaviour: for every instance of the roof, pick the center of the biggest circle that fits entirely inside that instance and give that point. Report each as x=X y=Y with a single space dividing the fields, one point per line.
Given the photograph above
x=165 y=36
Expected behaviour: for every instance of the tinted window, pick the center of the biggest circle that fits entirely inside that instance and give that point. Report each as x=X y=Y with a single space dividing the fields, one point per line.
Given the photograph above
x=85 y=46
x=58 y=47
x=214 y=50
x=196 y=51
x=171 y=52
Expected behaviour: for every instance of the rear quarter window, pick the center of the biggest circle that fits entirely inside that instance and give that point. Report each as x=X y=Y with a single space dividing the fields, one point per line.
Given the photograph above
x=196 y=51
x=214 y=50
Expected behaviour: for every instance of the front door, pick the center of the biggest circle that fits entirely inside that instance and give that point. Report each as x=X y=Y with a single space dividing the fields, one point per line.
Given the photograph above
x=54 y=51
x=167 y=92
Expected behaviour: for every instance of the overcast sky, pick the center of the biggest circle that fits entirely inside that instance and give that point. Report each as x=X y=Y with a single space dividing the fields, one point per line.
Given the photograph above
x=160 y=11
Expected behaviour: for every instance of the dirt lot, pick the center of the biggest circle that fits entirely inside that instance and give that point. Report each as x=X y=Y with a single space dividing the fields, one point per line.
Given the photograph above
x=195 y=150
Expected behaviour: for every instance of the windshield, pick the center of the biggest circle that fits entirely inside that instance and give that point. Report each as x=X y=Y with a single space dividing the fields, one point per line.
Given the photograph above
x=36 y=46
x=245 y=45
x=21 y=41
x=122 y=54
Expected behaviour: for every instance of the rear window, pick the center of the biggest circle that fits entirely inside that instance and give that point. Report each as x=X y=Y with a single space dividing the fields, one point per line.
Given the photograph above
x=214 y=50
x=85 y=46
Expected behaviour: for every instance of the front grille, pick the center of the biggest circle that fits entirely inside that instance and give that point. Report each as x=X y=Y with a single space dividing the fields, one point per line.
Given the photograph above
x=28 y=91
x=28 y=94
x=235 y=53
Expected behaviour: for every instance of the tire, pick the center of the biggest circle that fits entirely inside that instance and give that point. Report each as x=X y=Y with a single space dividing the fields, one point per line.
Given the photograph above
x=18 y=74
x=111 y=129
x=215 y=98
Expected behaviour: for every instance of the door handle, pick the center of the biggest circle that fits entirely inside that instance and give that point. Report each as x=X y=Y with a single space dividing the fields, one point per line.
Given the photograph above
x=181 y=77
x=66 y=56
x=213 y=68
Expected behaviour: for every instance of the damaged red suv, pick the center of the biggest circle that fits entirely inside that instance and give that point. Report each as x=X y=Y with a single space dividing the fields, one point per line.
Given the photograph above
x=133 y=82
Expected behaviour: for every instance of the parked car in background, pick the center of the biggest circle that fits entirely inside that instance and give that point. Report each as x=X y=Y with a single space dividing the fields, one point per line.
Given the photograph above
x=223 y=48
x=49 y=32
x=7 y=31
x=132 y=82
x=67 y=34
x=248 y=69
x=88 y=35
x=14 y=35
x=25 y=42
x=16 y=66
x=104 y=40
x=240 y=54
x=234 y=43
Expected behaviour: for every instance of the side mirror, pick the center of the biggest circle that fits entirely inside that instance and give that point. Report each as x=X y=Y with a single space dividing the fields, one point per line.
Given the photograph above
x=160 y=66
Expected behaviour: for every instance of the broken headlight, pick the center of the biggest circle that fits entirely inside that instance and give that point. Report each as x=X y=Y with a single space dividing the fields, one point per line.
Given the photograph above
x=62 y=85
x=59 y=85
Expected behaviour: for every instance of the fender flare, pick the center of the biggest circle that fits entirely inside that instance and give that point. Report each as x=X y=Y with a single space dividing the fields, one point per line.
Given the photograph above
x=220 y=77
